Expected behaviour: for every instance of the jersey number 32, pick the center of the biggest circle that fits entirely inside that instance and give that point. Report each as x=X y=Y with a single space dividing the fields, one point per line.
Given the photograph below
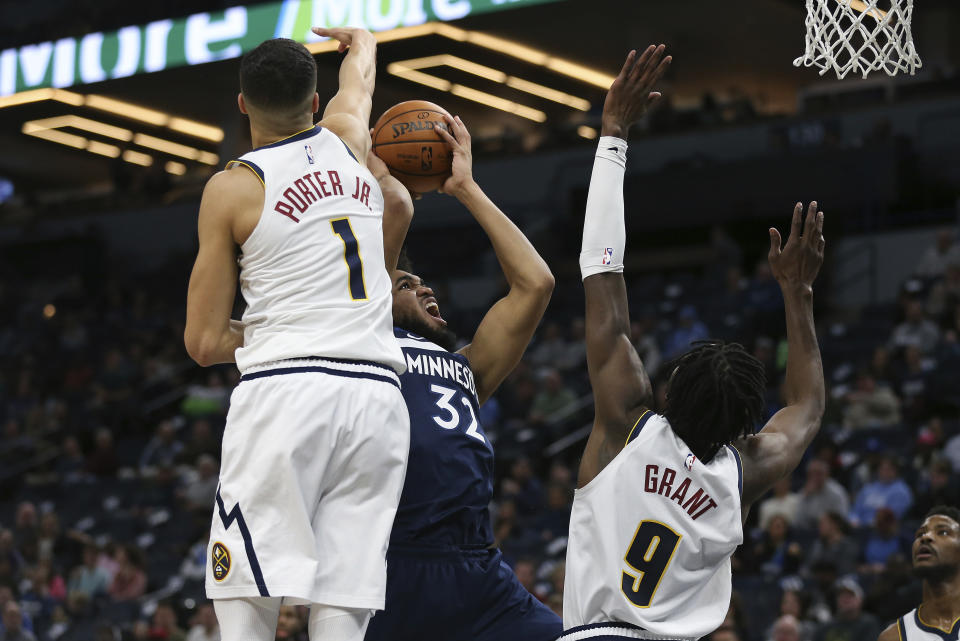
x=449 y=417
x=648 y=558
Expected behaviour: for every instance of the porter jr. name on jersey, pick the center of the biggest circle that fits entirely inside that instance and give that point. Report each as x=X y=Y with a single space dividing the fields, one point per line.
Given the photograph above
x=661 y=482
x=443 y=366
x=315 y=186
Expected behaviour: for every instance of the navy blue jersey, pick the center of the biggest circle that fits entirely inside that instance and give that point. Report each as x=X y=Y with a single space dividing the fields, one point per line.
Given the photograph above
x=449 y=480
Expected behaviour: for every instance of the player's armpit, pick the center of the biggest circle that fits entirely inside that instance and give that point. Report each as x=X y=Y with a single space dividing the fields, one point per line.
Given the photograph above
x=775 y=451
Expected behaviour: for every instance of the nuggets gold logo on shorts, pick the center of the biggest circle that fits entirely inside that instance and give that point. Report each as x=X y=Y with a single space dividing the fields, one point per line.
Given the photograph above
x=220 y=557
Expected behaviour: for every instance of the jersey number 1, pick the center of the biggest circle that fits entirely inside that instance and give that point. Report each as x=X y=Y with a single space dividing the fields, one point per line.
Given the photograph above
x=649 y=556
x=351 y=255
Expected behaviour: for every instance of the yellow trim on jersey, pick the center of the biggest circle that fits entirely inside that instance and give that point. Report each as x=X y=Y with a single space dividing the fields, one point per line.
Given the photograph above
x=666 y=566
x=630 y=435
x=930 y=625
x=288 y=137
x=247 y=165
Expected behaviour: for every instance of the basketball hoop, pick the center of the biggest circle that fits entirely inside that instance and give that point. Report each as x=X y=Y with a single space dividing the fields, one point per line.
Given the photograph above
x=859 y=36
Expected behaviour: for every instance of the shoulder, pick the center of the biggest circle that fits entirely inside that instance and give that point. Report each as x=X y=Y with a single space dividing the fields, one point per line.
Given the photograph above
x=234 y=185
x=352 y=131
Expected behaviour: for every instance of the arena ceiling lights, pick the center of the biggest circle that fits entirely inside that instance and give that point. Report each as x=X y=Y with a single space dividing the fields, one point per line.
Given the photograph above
x=51 y=129
x=412 y=69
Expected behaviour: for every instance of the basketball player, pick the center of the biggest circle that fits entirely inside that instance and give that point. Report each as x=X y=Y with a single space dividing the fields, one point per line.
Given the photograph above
x=936 y=560
x=661 y=499
x=317 y=435
x=445 y=581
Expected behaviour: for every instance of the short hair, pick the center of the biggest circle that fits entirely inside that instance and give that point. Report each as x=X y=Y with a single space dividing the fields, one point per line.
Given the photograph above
x=278 y=75
x=944 y=510
x=716 y=396
x=404 y=263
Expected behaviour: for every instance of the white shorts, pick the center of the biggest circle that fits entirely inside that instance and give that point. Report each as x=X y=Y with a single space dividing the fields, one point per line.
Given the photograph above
x=314 y=457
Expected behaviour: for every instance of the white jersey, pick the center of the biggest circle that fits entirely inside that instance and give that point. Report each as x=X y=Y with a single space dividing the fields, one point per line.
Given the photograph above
x=651 y=537
x=912 y=628
x=312 y=270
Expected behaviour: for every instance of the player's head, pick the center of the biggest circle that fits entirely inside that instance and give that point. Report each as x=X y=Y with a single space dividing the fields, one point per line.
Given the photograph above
x=936 y=545
x=415 y=309
x=278 y=81
x=715 y=396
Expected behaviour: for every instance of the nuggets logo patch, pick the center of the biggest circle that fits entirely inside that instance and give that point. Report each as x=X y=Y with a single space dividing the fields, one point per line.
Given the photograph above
x=220 y=558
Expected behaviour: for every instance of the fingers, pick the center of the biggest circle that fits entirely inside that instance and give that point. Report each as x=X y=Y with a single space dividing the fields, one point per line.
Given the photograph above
x=796 y=225
x=448 y=137
x=811 y=222
x=628 y=63
x=457 y=135
x=641 y=63
x=775 y=242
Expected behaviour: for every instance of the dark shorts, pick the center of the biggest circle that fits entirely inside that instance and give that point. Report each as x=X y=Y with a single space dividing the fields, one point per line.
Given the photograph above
x=456 y=595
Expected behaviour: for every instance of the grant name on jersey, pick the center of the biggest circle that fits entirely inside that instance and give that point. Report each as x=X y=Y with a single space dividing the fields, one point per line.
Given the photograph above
x=443 y=366
x=315 y=186
x=661 y=482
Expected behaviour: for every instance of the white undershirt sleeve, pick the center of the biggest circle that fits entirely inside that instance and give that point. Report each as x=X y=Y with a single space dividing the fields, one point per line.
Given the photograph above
x=604 y=234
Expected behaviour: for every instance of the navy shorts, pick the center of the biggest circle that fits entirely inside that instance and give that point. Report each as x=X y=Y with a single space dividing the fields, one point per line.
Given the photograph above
x=457 y=595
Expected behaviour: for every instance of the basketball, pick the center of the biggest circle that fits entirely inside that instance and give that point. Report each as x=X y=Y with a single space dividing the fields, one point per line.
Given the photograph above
x=405 y=138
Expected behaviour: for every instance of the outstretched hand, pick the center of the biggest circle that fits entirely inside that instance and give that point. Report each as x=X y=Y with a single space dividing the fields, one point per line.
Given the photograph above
x=631 y=94
x=345 y=35
x=461 y=172
x=798 y=262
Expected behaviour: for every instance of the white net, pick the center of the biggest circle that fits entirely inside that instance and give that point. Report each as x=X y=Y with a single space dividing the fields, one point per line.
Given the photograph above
x=860 y=36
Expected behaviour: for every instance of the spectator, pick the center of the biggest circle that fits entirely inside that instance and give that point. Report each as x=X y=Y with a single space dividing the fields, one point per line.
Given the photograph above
x=88 y=579
x=290 y=625
x=200 y=491
x=526 y=571
x=945 y=294
x=870 y=404
x=783 y=503
x=164 y=624
x=820 y=494
x=13 y=624
x=833 y=545
x=523 y=488
x=850 y=622
x=130 y=581
x=796 y=603
x=936 y=259
x=786 y=628
x=163 y=449
x=551 y=348
x=555 y=521
x=689 y=329
x=25 y=525
x=202 y=441
x=914 y=383
x=884 y=541
x=939 y=488
x=8 y=551
x=915 y=330
x=552 y=397
x=50 y=541
x=725 y=633
x=70 y=466
x=775 y=553
x=888 y=490
x=102 y=461
x=209 y=399
x=205 y=626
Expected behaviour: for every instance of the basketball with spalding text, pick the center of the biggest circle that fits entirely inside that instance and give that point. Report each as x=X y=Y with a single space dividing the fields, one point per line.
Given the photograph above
x=406 y=139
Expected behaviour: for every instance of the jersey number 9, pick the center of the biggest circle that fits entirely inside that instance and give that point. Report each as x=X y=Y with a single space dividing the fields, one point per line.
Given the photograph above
x=648 y=557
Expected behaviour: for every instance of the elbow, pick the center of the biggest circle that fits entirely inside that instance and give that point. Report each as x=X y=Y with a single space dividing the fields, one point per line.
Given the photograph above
x=542 y=284
x=200 y=348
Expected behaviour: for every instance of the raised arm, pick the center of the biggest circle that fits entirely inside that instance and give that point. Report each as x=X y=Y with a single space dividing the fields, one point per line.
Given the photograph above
x=397 y=211
x=348 y=112
x=621 y=388
x=776 y=450
x=210 y=336
x=508 y=326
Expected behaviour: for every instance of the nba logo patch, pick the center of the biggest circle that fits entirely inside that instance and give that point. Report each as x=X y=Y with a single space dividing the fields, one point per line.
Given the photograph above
x=220 y=558
x=607 y=256
x=691 y=459
x=309 y=150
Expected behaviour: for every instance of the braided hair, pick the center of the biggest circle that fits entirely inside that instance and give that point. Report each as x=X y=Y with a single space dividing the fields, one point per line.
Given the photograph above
x=715 y=396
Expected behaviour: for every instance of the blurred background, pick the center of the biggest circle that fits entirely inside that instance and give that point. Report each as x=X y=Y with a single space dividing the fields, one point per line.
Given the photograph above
x=113 y=116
